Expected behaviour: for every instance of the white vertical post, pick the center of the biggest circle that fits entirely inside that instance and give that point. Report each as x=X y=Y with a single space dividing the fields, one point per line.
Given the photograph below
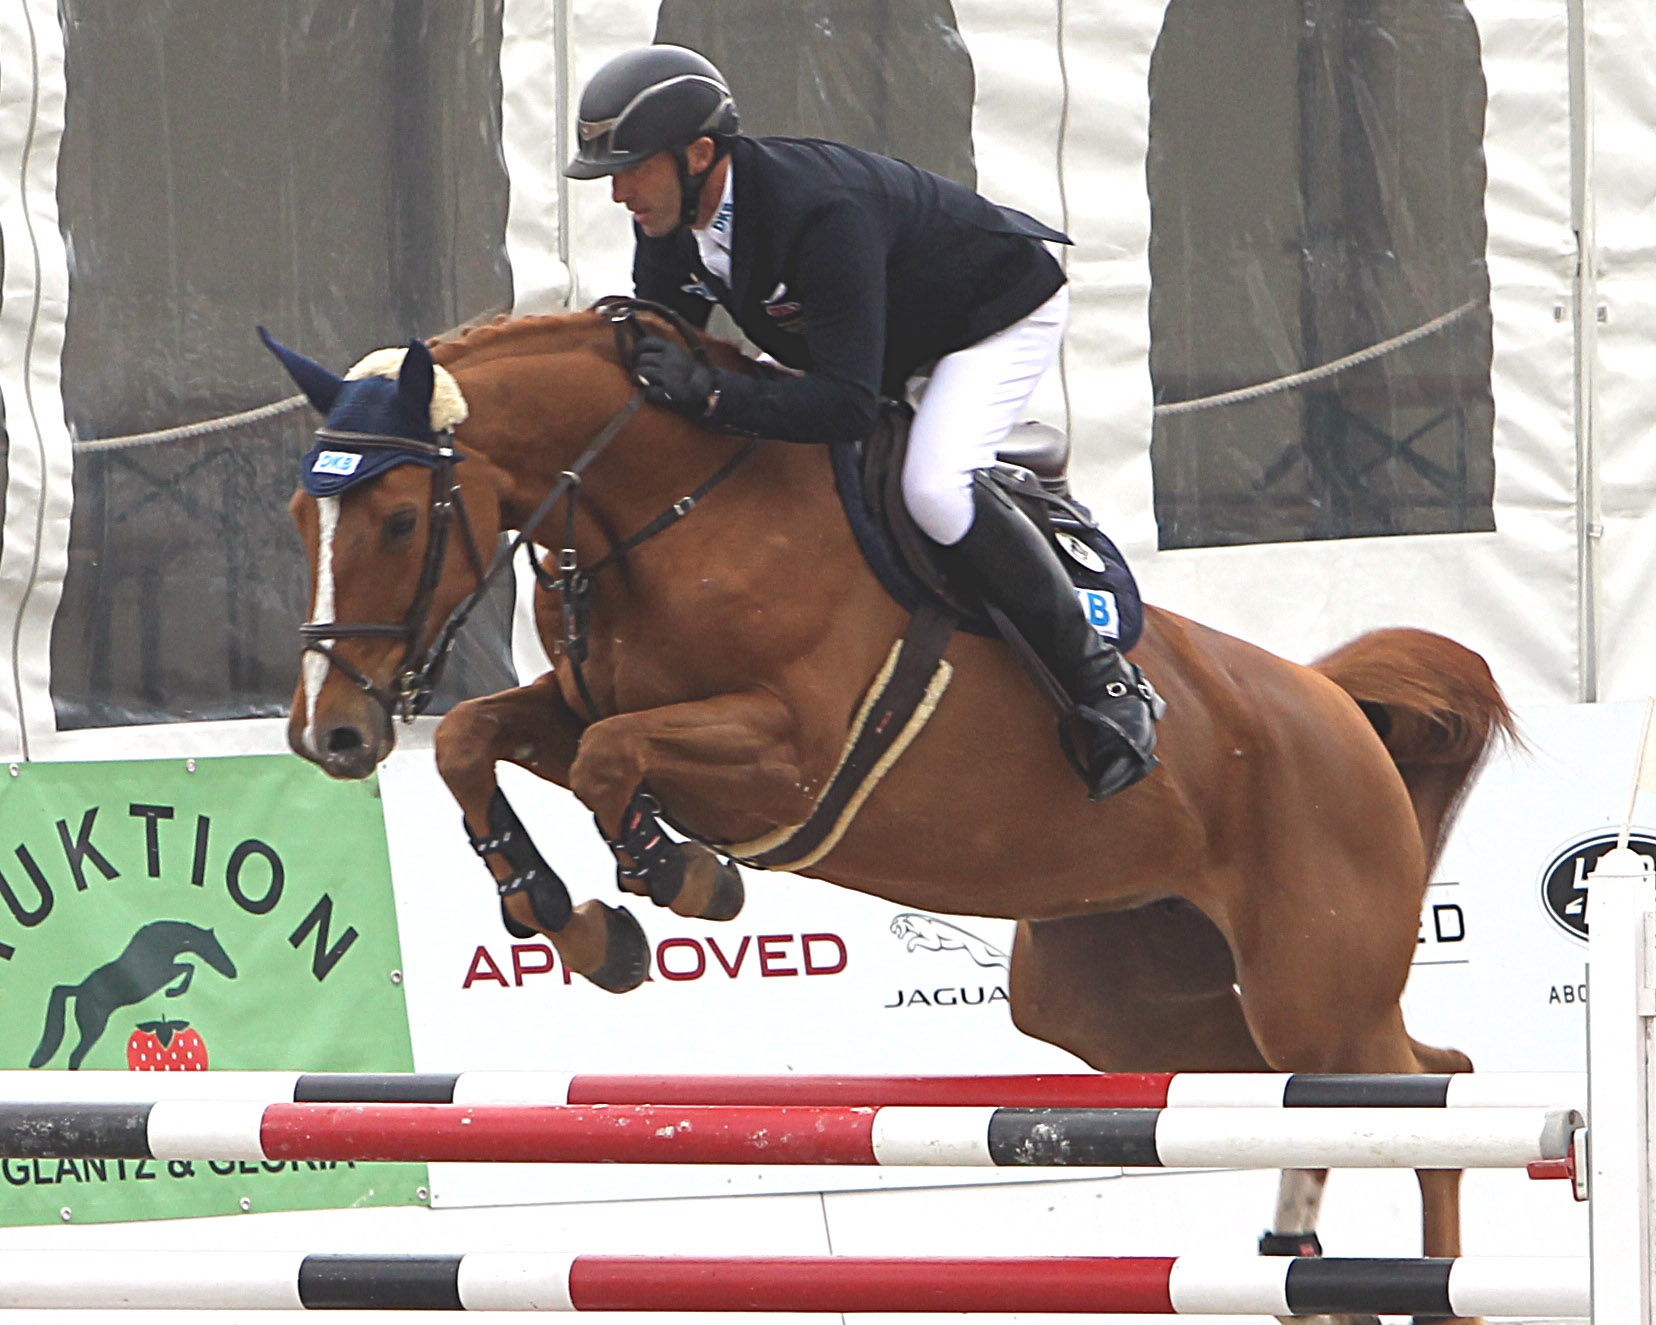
x=1621 y=920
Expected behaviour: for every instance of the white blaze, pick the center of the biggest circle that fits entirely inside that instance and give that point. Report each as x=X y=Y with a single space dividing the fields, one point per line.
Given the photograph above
x=313 y=670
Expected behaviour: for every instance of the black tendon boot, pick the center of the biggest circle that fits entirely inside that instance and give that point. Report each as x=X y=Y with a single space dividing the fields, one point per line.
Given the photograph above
x=1012 y=565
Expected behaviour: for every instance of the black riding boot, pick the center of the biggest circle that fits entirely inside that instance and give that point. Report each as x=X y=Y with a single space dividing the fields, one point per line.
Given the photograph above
x=1012 y=565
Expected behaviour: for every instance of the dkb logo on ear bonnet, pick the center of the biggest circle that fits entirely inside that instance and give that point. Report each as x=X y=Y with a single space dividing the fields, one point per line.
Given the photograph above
x=390 y=396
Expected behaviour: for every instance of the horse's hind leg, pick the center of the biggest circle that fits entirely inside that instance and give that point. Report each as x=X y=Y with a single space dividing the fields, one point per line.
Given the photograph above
x=1440 y=1188
x=1147 y=990
x=1153 y=990
x=1321 y=972
x=532 y=727
x=91 y=1018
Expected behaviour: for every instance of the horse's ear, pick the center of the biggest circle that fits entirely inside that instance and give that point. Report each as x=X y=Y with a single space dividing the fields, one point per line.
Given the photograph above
x=320 y=386
x=417 y=380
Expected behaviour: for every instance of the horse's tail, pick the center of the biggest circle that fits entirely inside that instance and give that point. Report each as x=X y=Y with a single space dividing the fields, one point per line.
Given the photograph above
x=1436 y=707
x=52 y=1036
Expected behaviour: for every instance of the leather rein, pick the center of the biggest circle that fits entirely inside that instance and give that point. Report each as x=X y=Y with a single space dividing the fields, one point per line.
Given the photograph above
x=420 y=670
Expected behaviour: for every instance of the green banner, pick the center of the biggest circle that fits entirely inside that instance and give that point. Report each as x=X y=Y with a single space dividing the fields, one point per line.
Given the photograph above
x=189 y=915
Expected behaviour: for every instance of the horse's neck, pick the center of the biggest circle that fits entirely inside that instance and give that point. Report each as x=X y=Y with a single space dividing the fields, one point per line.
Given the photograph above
x=561 y=384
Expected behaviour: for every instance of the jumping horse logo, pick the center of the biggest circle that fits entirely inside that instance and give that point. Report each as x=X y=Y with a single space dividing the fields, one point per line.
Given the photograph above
x=150 y=959
x=934 y=935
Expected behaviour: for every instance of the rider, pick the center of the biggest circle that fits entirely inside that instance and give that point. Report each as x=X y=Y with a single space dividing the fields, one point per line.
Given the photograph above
x=859 y=271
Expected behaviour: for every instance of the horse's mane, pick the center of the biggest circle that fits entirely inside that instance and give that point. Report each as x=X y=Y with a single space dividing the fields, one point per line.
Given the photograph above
x=508 y=335
x=505 y=335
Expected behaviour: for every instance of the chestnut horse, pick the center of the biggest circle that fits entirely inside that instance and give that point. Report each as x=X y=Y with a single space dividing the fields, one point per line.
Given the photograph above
x=1252 y=905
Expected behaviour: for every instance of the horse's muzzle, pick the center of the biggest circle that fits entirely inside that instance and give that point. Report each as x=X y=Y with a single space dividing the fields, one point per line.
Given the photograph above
x=346 y=747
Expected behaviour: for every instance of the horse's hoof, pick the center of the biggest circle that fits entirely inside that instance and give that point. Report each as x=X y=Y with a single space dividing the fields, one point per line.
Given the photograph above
x=626 y=953
x=712 y=887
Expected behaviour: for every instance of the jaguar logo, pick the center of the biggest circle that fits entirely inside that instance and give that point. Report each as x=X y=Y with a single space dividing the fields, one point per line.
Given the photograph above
x=1564 y=881
x=918 y=930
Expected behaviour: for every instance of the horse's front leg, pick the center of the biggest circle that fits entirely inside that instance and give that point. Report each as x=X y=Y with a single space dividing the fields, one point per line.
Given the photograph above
x=737 y=751
x=532 y=727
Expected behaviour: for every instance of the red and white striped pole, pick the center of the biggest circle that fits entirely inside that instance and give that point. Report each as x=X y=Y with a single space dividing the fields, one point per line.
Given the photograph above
x=741 y=1134
x=511 y=1281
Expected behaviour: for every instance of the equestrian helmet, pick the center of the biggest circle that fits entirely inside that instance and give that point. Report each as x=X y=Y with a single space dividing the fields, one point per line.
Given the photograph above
x=652 y=99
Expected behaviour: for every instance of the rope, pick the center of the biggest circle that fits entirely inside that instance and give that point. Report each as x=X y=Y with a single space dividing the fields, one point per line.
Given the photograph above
x=188 y=430
x=226 y=422
x=275 y=409
x=1329 y=369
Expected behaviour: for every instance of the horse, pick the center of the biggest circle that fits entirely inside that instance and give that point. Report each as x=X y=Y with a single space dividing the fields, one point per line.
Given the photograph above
x=151 y=961
x=1252 y=905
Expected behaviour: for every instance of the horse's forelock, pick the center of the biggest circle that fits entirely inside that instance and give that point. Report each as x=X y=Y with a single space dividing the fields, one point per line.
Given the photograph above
x=448 y=402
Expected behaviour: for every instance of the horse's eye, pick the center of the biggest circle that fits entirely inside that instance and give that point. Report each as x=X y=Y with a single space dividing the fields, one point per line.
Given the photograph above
x=401 y=523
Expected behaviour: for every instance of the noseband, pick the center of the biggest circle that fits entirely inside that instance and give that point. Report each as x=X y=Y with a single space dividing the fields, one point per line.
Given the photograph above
x=420 y=670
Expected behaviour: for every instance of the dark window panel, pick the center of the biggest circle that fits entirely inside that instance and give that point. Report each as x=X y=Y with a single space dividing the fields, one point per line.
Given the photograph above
x=889 y=76
x=1316 y=181
x=329 y=169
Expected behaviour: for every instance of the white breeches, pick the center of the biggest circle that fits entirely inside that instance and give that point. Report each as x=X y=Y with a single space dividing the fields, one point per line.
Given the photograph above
x=975 y=397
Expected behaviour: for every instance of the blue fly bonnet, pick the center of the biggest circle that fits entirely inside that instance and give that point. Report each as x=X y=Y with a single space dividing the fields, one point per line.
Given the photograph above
x=395 y=407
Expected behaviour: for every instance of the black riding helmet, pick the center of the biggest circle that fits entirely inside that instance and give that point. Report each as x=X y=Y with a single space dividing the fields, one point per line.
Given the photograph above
x=653 y=99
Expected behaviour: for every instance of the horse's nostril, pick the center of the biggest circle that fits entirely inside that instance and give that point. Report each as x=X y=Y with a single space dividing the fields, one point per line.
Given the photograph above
x=343 y=740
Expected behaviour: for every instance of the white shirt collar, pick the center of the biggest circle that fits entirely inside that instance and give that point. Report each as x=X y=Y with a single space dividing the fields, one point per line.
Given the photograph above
x=713 y=240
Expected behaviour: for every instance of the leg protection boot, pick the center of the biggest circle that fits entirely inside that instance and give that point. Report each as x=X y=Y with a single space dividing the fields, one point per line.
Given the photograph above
x=1010 y=561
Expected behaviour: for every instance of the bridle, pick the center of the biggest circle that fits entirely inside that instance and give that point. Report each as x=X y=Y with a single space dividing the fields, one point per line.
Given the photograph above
x=419 y=670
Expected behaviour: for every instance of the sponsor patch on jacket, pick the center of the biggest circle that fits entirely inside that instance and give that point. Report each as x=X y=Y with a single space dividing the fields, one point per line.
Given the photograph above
x=786 y=311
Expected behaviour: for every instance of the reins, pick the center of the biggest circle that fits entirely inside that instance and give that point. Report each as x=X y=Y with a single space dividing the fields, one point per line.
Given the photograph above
x=574 y=584
x=420 y=671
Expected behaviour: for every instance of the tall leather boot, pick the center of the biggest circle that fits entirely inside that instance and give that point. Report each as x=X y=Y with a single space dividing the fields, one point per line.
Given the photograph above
x=1012 y=564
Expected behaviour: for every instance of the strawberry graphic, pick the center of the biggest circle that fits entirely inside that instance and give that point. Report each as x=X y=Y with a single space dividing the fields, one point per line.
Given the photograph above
x=166 y=1046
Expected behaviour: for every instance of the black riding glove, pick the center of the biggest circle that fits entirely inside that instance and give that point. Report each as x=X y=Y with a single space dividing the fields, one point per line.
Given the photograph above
x=674 y=378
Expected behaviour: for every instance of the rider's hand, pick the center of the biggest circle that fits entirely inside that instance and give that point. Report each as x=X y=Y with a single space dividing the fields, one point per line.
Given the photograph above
x=673 y=378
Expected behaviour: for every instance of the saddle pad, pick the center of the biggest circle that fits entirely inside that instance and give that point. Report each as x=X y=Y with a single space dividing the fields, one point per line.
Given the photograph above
x=1108 y=593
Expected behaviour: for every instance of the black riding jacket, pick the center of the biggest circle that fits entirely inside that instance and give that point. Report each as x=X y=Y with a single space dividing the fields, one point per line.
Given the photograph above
x=856 y=269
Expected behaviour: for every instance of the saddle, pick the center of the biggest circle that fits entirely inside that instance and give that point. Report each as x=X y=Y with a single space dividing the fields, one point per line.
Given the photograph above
x=1031 y=470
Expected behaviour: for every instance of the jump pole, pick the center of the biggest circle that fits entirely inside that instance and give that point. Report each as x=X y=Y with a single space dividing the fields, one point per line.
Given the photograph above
x=1121 y=1090
x=739 y=1134
x=510 y=1281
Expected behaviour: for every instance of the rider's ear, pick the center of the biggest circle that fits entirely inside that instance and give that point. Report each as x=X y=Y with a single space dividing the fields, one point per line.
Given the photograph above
x=416 y=380
x=320 y=386
x=700 y=154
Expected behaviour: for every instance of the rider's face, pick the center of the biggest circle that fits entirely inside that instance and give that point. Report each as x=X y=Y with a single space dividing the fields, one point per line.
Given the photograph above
x=650 y=191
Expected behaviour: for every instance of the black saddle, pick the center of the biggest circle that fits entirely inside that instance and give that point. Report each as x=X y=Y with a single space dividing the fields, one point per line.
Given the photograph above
x=1032 y=470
